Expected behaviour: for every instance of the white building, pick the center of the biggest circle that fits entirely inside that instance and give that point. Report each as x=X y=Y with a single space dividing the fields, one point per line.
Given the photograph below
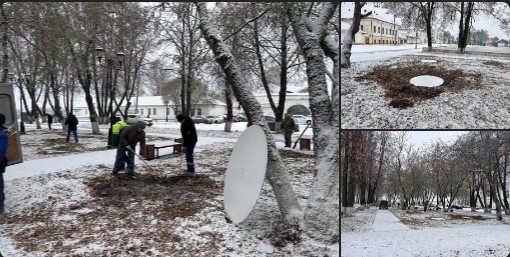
x=154 y=107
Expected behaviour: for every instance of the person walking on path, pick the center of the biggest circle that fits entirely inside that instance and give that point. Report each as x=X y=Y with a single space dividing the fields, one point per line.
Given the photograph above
x=50 y=120
x=128 y=139
x=189 y=139
x=4 y=142
x=72 y=123
x=288 y=126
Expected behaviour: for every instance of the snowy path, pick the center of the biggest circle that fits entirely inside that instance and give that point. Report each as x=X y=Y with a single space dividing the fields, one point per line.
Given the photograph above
x=387 y=221
x=68 y=162
x=42 y=166
x=389 y=237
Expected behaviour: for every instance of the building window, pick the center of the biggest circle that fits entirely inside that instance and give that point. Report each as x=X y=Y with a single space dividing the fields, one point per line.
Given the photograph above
x=149 y=110
x=378 y=29
x=391 y=32
x=374 y=29
x=386 y=30
x=141 y=111
x=199 y=111
x=361 y=27
x=154 y=111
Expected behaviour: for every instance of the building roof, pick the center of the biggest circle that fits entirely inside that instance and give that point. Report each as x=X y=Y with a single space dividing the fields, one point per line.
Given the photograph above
x=372 y=16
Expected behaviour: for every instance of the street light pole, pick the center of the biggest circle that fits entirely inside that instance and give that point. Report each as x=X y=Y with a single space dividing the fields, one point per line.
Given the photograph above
x=166 y=107
x=394 y=31
x=100 y=52
x=21 y=124
x=416 y=40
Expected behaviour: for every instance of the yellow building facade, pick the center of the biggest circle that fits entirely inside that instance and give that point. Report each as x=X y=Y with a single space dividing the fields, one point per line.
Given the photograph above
x=378 y=31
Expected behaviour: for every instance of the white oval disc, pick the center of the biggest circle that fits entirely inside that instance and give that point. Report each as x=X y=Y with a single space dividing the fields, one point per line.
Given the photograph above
x=427 y=81
x=245 y=173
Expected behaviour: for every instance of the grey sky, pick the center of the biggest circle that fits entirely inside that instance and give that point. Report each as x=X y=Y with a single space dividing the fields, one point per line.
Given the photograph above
x=419 y=138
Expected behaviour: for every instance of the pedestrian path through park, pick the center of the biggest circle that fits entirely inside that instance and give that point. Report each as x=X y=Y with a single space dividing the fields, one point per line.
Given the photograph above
x=389 y=237
x=386 y=221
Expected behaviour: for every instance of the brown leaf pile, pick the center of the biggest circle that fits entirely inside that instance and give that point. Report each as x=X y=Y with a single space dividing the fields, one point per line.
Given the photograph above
x=395 y=80
x=144 y=208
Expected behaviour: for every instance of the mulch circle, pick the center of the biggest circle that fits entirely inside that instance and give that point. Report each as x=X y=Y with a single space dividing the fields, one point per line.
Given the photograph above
x=395 y=80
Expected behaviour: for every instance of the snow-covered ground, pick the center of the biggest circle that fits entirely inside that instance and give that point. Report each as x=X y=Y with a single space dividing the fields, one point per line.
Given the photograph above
x=364 y=105
x=376 y=232
x=53 y=207
x=366 y=53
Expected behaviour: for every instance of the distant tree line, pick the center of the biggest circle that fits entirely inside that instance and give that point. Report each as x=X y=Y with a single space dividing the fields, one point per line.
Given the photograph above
x=471 y=171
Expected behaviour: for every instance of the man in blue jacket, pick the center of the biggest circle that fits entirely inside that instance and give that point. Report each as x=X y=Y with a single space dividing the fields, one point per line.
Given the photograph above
x=3 y=160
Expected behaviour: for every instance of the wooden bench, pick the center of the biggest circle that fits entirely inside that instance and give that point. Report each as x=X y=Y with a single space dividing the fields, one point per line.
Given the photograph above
x=176 y=145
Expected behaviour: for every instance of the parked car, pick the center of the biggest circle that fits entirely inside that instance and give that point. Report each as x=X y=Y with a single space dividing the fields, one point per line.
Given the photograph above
x=234 y=119
x=215 y=119
x=134 y=118
x=201 y=119
x=271 y=122
x=383 y=204
x=241 y=118
x=300 y=119
x=458 y=207
x=309 y=120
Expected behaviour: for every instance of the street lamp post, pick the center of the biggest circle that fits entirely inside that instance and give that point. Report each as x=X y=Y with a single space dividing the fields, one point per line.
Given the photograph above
x=18 y=81
x=110 y=62
x=416 y=40
x=394 y=31
x=166 y=107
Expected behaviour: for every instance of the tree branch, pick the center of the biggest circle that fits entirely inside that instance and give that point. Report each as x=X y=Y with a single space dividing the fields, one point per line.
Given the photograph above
x=245 y=24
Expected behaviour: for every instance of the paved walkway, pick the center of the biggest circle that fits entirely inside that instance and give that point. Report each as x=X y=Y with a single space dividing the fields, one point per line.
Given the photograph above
x=386 y=221
x=389 y=237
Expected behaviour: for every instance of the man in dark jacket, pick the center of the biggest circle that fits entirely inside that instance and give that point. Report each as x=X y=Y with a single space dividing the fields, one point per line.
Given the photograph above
x=288 y=126
x=72 y=123
x=128 y=139
x=50 y=120
x=4 y=142
x=189 y=138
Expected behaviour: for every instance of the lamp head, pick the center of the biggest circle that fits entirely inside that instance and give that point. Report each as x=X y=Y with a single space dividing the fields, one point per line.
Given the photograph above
x=99 y=53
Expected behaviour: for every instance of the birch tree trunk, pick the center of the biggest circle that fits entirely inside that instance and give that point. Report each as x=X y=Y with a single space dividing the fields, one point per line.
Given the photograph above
x=277 y=174
x=350 y=34
x=322 y=211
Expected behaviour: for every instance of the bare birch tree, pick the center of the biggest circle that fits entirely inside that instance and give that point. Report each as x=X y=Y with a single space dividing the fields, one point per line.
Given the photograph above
x=322 y=211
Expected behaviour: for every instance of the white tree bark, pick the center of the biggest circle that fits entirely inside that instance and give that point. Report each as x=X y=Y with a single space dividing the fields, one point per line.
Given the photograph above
x=322 y=217
x=345 y=55
x=277 y=174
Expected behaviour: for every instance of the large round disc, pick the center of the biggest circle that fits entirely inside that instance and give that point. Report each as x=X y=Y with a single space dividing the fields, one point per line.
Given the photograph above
x=245 y=173
x=427 y=81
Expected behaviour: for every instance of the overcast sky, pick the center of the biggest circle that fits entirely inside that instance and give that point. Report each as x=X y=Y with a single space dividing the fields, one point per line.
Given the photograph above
x=419 y=138
x=485 y=23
